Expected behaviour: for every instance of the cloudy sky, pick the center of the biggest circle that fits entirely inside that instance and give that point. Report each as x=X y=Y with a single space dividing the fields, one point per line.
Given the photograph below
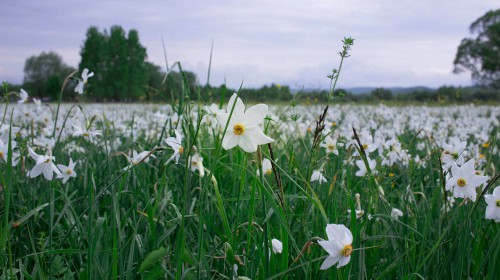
x=397 y=42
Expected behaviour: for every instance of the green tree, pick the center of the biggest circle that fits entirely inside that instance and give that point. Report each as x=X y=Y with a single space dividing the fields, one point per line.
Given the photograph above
x=92 y=57
x=119 y=63
x=481 y=55
x=382 y=94
x=42 y=72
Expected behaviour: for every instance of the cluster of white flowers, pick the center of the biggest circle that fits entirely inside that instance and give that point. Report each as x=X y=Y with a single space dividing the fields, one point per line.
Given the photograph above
x=244 y=128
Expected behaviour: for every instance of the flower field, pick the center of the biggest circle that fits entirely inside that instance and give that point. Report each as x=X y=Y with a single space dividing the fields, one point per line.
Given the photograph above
x=195 y=190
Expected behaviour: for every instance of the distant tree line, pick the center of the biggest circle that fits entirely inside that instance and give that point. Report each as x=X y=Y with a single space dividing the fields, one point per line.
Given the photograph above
x=443 y=95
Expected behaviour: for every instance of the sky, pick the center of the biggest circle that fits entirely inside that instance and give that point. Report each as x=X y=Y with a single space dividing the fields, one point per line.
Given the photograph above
x=396 y=42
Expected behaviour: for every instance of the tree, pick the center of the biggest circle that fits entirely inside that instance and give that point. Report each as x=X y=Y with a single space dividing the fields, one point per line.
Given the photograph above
x=43 y=74
x=481 y=55
x=119 y=64
x=382 y=94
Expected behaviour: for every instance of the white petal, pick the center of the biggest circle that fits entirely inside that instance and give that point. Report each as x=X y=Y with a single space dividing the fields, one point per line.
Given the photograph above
x=256 y=114
x=468 y=167
x=47 y=173
x=239 y=107
x=451 y=183
x=343 y=261
x=329 y=261
x=476 y=181
x=35 y=171
x=247 y=143
x=496 y=192
x=455 y=170
x=258 y=137
x=277 y=246
x=230 y=141
x=332 y=247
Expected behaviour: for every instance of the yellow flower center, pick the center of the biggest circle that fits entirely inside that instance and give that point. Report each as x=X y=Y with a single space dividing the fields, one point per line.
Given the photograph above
x=391 y=174
x=486 y=145
x=2 y=154
x=334 y=124
x=365 y=146
x=347 y=251
x=269 y=172
x=461 y=182
x=181 y=150
x=86 y=134
x=47 y=160
x=239 y=129
x=194 y=162
x=69 y=171
x=330 y=147
x=498 y=203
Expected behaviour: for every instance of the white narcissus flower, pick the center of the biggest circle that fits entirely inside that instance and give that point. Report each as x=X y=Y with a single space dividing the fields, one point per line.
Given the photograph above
x=83 y=81
x=330 y=145
x=87 y=134
x=4 y=151
x=137 y=158
x=359 y=213
x=243 y=129
x=464 y=180
x=396 y=213
x=493 y=208
x=196 y=163
x=176 y=144
x=43 y=165
x=267 y=168
x=212 y=112
x=318 y=176
x=67 y=171
x=338 y=246
x=453 y=153
x=362 y=167
x=277 y=246
x=24 y=96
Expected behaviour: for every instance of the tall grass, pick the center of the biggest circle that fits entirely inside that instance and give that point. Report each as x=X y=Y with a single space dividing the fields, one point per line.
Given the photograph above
x=154 y=220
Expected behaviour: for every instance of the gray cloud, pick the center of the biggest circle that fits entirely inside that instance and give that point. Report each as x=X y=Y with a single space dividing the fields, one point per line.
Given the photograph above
x=397 y=43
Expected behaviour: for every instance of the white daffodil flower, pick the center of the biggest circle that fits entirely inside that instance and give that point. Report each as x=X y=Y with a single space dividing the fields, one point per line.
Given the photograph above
x=277 y=246
x=493 y=208
x=44 y=164
x=81 y=83
x=23 y=95
x=176 y=144
x=196 y=163
x=243 y=128
x=338 y=246
x=67 y=171
x=464 y=180
x=318 y=176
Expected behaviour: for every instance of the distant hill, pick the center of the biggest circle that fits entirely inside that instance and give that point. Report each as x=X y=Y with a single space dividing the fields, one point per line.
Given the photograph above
x=368 y=90
x=395 y=90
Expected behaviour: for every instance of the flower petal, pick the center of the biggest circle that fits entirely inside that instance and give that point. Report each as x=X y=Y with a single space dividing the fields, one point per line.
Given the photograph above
x=239 y=107
x=230 y=141
x=247 y=143
x=329 y=261
x=256 y=114
x=343 y=261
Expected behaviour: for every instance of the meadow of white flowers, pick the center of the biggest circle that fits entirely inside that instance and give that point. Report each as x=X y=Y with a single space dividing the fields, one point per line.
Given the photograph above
x=210 y=191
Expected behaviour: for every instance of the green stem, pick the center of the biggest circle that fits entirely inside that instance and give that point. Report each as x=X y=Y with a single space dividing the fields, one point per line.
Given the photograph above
x=266 y=234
